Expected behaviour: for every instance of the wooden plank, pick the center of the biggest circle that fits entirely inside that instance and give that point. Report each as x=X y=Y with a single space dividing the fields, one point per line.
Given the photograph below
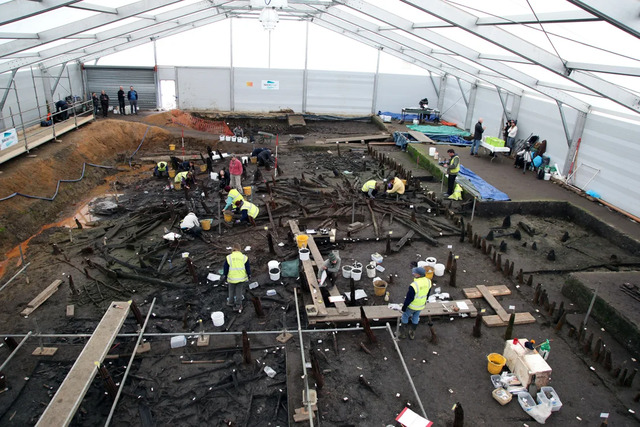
x=403 y=241
x=496 y=291
x=67 y=399
x=421 y=137
x=355 y=138
x=71 y=310
x=521 y=319
x=296 y=120
x=41 y=298
x=309 y=273
x=382 y=312
x=493 y=302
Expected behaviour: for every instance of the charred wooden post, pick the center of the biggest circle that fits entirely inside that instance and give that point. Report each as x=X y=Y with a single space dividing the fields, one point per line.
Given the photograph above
x=536 y=294
x=246 y=348
x=316 y=371
x=506 y=222
x=493 y=257
x=565 y=237
x=108 y=382
x=470 y=232
x=477 y=327
x=597 y=348
x=136 y=313
x=615 y=372
x=192 y=270
x=490 y=236
x=454 y=273
x=458 y=415
x=257 y=306
x=607 y=360
x=561 y=321
x=519 y=277
x=352 y=289
x=483 y=246
x=462 y=230
x=560 y=312
x=78 y=223
x=499 y=262
x=545 y=300
x=622 y=377
x=449 y=261
x=572 y=332
x=552 y=308
x=56 y=250
x=413 y=216
x=551 y=256
x=503 y=246
x=475 y=240
x=74 y=290
x=272 y=248
x=367 y=326
x=505 y=269
x=11 y=342
x=508 y=334
x=534 y=246
x=586 y=348
x=388 y=249
x=628 y=382
x=581 y=332
x=434 y=336
x=511 y=267
x=364 y=348
x=530 y=280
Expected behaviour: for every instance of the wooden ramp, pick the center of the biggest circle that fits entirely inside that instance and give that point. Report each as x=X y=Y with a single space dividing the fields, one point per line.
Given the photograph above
x=357 y=138
x=382 y=312
x=421 y=137
x=502 y=317
x=67 y=399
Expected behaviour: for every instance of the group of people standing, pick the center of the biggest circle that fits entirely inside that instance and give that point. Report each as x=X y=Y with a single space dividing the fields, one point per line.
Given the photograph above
x=102 y=101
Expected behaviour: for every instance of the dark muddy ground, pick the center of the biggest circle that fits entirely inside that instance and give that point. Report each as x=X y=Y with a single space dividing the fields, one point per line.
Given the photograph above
x=165 y=386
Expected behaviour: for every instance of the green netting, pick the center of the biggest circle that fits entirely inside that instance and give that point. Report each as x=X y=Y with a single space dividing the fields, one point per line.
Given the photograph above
x=439 y=130
x=290 y=268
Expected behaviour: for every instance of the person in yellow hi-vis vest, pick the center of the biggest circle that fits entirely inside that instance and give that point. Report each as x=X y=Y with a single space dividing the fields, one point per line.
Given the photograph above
x=453 y=168
x=370 y=187
x=248 y=211
x=233 y=196
x=414 y=302
x=237 y=271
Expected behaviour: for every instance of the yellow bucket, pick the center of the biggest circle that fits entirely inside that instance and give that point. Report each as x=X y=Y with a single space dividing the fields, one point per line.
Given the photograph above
x=172 y=173
x=203 y=168
x=254 y=160
x=302 y=240
x=205 y=224
x=379 y=288
x=177 y=185
x=228 y=217
x=429 y=271
x=247 y=191
x=172 y=147
x=496 y=363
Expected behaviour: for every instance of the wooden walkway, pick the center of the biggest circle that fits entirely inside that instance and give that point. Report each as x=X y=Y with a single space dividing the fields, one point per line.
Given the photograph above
x=356 y=138
x=421 y=137
x=67 y=399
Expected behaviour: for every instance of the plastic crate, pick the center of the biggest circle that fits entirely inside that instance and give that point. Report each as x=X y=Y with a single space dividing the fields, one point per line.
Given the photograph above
x=496 y=142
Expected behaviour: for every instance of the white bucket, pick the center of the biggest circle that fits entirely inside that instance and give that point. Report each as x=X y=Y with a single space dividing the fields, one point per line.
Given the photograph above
x=346 y=271
x=245 y=160
x=245 y=140
x=423 y=264
x=234 y=138
x=438 y=270
x=218 y=318
x=371 y=271
x=432 y=151
x=357 y=265
x=431 y=262
x=416 y=121
x=214 y=176
x=356 y=273
x=547 y=176
x=274 y=274
x=273 y=264
x=227 y=138
x=221 y=137
x=304 y=254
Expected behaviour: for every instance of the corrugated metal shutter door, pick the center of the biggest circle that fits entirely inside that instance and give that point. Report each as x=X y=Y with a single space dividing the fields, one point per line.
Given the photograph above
x=109 y=79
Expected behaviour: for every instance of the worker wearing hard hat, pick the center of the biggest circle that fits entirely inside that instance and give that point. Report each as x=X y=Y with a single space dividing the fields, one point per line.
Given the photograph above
x=414 y=302
x=370 y=188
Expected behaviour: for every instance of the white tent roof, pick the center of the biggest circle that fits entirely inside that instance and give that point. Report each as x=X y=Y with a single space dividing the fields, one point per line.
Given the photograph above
x=577 y=52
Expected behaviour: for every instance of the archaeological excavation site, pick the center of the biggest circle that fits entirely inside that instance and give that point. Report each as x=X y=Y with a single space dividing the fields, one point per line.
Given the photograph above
x=359 y=213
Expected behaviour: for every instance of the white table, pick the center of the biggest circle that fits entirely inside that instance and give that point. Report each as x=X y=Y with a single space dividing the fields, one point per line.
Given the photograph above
x=492 y=149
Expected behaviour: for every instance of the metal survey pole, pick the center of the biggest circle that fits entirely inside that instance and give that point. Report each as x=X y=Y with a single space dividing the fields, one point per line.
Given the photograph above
x=24 y=131
x=14 y=276
x=22 y=263
x=15 y=351
x=219 y=219
x=473 y=210
x=304 y=362
x=593 y=300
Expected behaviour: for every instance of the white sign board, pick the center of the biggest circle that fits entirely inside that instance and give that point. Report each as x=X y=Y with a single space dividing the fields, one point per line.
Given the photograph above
x=9 y=138
x=271 y=84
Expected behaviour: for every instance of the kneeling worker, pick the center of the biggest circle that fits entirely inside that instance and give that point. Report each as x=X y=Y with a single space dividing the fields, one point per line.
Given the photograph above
x=191 y=225
x=232 y=197
x=248 y=211
x=396 y=186
x=185 y=178
x=369 y=187
x=414 y=302
x=332 y=267
x=160 y=170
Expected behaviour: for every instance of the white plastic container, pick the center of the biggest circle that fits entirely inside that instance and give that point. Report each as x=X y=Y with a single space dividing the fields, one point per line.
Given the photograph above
x=269 y=371
x=304 y=254
x=234 y=138
x=274 y=274
x=416 y=121
x=179 y=341
x=271 y=292
x=227 y=138
x=547 y=176
x=221 y=137
x=438 y=270
x=218 y=318
x=377 y=258
x=356 y=273
x=346 y=271
x=371 y=271
x=432 y=151
x=213 y=176
x=273 y=264
x=553 y=400
x=431 y=262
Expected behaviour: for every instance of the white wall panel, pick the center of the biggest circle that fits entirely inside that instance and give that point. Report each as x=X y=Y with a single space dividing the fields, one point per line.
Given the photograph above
x=339 y=92
x=166 y=73
x=453 y=109
x=611 y=145
x=397 y=91
x=489 y=108
x=249 y=94
x=203 y=88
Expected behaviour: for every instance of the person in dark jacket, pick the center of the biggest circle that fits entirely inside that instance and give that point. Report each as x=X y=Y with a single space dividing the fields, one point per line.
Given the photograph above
x=477 y=137
x=104 y=103
x=224 y=178
x=96 y=103
x=62 y=112
x=121 y=100
x=132 y=96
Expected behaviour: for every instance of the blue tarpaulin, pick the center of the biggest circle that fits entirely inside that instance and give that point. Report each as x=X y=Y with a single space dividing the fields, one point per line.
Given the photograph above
x=432 y=131
x=485 y=190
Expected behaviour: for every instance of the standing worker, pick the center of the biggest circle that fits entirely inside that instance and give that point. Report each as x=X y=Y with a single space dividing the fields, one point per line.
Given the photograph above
x=248 y=211
x=96 y=103
x=121 y=100
x=369 y=187
x=104 y=103
x=233 y=196
x=477 y=137
x=132 y=96
x=414 y=302
x=453 y=167
x=238 y=271
x=511 y=136
x=160 y=169
x=332 y=266
x=235 y=170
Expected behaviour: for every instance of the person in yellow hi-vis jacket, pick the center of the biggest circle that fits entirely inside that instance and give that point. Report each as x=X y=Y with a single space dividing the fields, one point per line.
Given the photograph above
x=237 y=271
x=370 y=188
x=414 y=302
x=457 y=193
